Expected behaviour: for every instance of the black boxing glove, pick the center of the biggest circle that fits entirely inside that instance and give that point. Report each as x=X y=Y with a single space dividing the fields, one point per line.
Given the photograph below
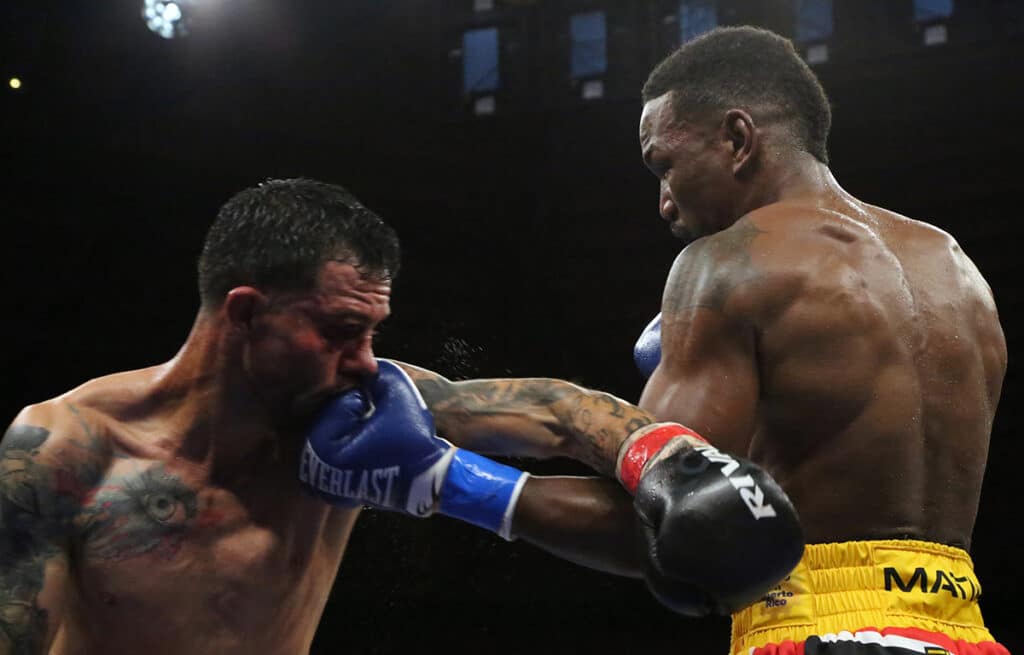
x=719 y=532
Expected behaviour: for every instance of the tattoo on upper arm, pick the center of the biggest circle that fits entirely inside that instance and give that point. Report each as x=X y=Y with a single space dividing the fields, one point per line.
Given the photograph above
x=729 y=252
x=27 y=524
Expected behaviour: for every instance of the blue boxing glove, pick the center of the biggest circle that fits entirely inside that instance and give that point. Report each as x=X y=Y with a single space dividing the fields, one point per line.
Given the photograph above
x=376 y=446
x=647 y=351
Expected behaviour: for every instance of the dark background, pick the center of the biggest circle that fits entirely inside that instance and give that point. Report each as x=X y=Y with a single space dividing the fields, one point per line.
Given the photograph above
x=531 y=240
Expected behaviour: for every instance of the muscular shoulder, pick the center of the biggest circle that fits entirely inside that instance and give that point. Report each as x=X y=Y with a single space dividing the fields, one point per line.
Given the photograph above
x=93 y=412
x=736 y=273
x=113 y=398
x=773 y=257
x=65 y=422
x=938 y=249
x=50 y=457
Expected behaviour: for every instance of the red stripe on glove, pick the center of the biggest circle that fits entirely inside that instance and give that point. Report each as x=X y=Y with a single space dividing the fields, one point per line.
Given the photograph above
x=646 y=447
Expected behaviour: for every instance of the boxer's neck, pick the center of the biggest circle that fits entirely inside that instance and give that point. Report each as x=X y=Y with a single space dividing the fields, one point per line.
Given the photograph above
x=785 y=174
x=793 y=174
x=212 y=413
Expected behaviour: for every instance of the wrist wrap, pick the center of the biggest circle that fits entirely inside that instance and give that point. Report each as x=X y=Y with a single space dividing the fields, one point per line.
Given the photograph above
x=481 y=491
x=635 y=456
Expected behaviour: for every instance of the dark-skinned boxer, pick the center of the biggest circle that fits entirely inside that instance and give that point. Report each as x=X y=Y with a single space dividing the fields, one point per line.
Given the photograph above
x=854 y=353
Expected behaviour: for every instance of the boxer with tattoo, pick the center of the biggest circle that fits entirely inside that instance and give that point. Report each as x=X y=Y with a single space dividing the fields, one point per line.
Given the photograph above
x=168 y=509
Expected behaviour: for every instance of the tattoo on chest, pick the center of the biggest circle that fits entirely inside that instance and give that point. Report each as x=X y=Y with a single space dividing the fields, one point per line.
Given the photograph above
x=137 y=513
x=46 y=506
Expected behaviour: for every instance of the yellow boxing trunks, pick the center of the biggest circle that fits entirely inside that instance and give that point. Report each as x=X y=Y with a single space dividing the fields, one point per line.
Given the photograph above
x=870 y=597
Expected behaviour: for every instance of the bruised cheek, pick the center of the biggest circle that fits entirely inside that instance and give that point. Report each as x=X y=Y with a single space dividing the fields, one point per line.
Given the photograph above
x=288 y=355
x=310 y=357
x=308 y=341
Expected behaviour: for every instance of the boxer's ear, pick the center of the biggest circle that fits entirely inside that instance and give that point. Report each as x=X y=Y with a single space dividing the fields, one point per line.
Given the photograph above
x=741 y=131
x=242 y=304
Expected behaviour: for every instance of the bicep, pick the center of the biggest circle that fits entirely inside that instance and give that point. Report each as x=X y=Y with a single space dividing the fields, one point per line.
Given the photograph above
x=708 y=376
x=716 y=395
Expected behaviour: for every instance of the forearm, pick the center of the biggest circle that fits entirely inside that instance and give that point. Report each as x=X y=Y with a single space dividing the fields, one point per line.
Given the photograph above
x=530 y=417
x=595 y=424
x=588 y=521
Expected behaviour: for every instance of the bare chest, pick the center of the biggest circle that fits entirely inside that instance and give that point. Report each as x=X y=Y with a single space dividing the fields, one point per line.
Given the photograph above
x=169 y=550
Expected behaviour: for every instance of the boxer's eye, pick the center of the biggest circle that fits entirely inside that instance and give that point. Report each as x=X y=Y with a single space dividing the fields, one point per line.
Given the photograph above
x=343 y=332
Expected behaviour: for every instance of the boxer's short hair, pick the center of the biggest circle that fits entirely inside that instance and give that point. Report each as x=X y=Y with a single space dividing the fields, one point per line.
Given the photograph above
x=746 y=68
x=277 y=236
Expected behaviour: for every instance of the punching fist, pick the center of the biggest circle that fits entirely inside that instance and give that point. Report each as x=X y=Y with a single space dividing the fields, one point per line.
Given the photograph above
x=719 y=531
x=376 y=446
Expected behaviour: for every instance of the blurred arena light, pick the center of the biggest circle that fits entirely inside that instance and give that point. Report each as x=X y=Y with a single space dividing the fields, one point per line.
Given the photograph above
x=14 y=83
x=169 y=19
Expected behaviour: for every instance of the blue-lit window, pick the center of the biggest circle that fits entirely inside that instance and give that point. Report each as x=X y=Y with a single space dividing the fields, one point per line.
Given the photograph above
x=695 y=18
x=813 y=20
x=480 y=60
x=589 y=44
x=929 y=10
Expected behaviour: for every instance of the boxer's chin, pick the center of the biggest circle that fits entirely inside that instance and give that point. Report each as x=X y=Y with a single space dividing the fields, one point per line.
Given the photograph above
x=680 y=231
x=299 y=414
x=304 y=407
